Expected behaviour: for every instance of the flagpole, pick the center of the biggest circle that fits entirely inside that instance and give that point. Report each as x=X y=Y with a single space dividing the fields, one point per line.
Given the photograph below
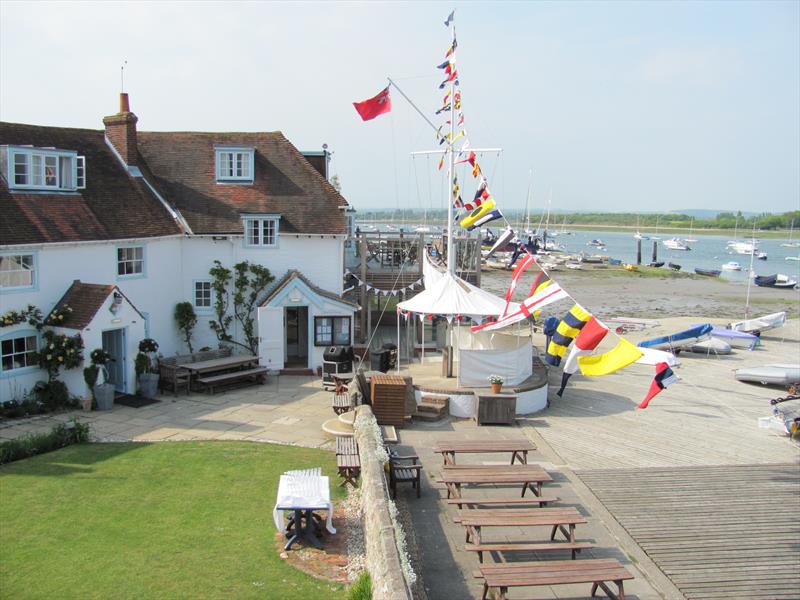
x=414 y=106
x=451 y=258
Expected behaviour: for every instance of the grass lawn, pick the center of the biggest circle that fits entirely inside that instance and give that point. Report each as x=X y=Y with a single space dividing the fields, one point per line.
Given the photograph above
x=168 y=520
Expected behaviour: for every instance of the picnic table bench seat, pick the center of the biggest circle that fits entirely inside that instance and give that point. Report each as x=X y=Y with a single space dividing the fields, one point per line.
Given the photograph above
x=502 y=501
x=211 y=382
x=348 y=462
x=341 y=403
x=173 y=374
x=400 y=471
x=529 y=476
x=561 y=520
x=574 y=547
x=498 y=578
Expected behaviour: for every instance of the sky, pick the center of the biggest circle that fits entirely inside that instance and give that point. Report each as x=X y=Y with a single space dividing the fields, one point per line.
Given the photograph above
x=623 y=106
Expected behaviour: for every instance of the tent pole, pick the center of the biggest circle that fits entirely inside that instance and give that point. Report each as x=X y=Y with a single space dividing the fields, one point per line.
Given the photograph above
x=398 y=342
x=422 y=323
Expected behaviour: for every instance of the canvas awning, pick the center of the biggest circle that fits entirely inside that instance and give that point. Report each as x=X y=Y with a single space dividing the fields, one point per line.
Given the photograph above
x=451 y=295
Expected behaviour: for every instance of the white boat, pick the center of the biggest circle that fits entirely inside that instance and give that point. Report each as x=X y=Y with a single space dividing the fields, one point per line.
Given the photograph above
x=743 y=247
x=639 y=236
x=790 y=243
x=712 y=346
x=596 y=243
x=732 y=266
x=760 y=324
x=573 y=266
x=675 y=244
x=770 y=374
x=795 y=258
x=691 y=238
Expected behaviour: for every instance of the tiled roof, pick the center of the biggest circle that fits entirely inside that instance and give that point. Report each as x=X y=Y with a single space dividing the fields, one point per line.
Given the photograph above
x=295 y=274
x=285 y=183
x=85 y=299
x=113 y=206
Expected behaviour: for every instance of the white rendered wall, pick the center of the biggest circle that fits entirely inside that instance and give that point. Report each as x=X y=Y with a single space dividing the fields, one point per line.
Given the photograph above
x=172 y=265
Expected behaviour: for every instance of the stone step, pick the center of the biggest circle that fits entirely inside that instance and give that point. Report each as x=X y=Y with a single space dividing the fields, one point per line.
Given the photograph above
x=428 y=416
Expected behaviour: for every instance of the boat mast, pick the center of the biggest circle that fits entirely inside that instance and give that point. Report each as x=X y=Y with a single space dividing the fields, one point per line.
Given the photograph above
x=750 y=273
x=451 y=168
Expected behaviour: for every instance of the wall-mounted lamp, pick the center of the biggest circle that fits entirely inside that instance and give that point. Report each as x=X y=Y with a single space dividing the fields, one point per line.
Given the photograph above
x=116 y=303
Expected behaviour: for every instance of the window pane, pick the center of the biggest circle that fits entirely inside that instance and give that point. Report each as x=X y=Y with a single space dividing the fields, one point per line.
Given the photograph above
x=36 y=170
x=341 y=335
x=21 y=169
x=7 y=347
x=65 y=172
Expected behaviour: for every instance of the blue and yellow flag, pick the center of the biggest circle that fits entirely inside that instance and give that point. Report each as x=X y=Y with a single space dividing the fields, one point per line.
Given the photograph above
x=570 y=326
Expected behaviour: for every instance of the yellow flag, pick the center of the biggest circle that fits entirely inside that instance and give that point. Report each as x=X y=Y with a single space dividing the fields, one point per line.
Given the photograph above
x=604 y=364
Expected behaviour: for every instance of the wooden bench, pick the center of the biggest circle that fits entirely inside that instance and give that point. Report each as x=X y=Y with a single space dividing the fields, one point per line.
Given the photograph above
x=347 y=460
x=349 y=466
x=597 y=571
x=402 y=472
x=575 y=547
x=505 y=501
x=213 y=381
x=341 y=403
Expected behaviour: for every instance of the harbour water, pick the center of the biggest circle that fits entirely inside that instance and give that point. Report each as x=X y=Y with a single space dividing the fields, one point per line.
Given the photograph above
x=708 y=252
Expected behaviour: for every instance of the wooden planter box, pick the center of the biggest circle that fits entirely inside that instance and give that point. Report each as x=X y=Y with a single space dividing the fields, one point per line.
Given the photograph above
x=496 y=409
x=388 y=399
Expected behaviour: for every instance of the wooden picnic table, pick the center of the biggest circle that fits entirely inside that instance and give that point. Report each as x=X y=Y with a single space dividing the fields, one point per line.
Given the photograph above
x=530 y=476
x=519 y=449
x=499 y=577
x=216 y=365
x=562 y=519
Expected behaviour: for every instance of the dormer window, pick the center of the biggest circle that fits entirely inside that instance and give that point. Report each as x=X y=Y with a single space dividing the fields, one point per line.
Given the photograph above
x=261 y=231
x=45 y=169
x=234 y=165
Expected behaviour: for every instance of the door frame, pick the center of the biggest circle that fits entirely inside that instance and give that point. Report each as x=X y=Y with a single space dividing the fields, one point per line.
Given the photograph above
x=309 y=340
x=123 y=360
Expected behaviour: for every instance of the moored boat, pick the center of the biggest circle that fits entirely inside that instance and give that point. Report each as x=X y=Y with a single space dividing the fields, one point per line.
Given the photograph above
x=775 y=281
x=596 y=243
x=674 y=267
x=680 y=340
x=732 y=266
x=707 y=272
x=676 y=244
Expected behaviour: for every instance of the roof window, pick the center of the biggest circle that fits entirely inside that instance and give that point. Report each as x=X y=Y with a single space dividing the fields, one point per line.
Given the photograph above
x=45 y=169
x=234 y=165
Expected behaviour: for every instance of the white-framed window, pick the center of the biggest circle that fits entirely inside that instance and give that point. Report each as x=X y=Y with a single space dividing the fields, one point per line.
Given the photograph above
x=130 y=261
x=235 y=164
x=18 y=352
x=331 y=331
x=202 y=294
x=41 y=169
x=17 y=271
x=261 y=232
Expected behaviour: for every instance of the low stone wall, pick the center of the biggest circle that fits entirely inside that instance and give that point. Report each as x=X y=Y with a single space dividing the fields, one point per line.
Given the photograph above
x=383 y=558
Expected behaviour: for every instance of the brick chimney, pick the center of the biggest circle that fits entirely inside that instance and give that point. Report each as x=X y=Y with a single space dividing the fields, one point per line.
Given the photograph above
x=121 y=131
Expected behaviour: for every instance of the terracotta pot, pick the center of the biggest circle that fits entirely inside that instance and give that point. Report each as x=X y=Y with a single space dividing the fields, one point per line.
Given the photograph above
x=496 y=387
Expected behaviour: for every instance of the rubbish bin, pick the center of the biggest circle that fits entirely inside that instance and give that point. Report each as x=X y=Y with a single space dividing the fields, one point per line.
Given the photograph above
x=392 y=354
x=379 y=360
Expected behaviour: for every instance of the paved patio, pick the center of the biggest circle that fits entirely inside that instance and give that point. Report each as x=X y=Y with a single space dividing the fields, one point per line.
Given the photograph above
x=287 y=410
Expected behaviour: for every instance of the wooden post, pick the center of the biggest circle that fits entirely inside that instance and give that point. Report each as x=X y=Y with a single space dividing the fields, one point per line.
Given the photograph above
x=655 y=251
x=638 y=252
x=478 y=262
x=362 y=246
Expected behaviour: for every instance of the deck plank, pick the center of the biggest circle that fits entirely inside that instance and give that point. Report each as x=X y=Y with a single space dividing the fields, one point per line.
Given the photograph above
x=715 y=531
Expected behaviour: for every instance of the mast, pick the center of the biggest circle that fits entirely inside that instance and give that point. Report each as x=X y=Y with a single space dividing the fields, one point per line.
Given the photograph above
x=750 y=273
x=451 y=257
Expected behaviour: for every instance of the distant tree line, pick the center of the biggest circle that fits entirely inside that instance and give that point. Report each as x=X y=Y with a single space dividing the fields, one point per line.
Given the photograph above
x=723 y=220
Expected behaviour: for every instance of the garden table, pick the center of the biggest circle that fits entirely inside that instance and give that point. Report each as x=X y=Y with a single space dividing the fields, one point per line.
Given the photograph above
x=303 y=492
x=519 y=449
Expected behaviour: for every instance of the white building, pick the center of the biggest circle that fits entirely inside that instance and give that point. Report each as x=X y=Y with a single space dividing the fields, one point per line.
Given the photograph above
x=143 y=216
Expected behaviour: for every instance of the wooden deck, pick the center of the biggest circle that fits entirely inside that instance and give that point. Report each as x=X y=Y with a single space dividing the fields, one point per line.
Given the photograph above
x=715 y=531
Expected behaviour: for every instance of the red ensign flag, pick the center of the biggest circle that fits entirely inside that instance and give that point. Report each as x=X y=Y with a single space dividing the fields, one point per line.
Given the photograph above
x=369 y=109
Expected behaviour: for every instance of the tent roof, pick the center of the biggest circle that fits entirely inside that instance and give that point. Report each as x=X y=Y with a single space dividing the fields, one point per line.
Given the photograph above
x=451 y=295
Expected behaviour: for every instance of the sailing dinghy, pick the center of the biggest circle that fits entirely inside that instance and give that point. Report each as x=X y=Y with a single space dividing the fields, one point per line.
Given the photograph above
x=681 y=340
x=760 y=324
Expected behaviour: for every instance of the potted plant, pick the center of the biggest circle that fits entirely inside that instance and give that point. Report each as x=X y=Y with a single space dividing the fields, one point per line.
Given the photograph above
x=146 y=365
x=497 y=383
x=90 y=374
x=103 y=390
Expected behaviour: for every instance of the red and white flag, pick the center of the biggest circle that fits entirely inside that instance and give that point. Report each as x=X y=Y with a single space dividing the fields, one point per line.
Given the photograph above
x=371 y=108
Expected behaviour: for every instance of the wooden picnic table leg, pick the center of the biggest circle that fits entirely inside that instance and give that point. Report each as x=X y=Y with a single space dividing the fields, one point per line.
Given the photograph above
x=501 y=593
x=594 y=589
x=524 y=457
x=571 y=536
x=485 y=590
x=608 y=591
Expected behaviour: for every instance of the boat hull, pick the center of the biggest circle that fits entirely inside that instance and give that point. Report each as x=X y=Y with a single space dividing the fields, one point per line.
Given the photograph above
x=760 y=324
x=680 y=340
x=770 y=374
